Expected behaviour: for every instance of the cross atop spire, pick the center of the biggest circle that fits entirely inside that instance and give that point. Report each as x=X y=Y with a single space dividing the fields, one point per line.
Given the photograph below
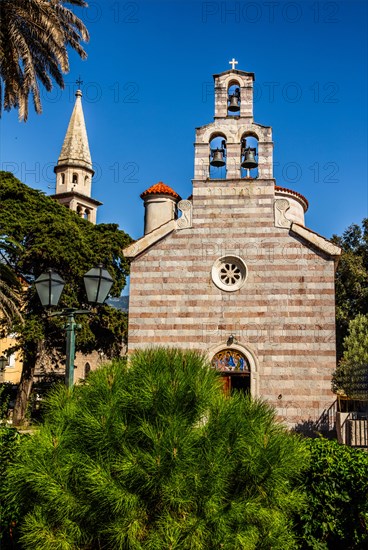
x=233 y=63
x=79 y=82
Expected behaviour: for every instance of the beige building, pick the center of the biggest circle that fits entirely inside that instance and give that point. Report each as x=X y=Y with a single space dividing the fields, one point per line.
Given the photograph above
x=11 y=365
x=234 y=272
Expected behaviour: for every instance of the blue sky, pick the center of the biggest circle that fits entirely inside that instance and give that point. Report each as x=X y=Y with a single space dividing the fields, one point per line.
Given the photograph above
x=148 y=85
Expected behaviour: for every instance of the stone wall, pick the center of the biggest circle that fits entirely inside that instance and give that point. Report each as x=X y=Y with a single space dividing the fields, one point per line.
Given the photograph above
x=282 y=317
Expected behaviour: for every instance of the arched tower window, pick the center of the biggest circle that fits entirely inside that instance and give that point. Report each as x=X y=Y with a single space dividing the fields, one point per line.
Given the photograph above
x=62 y=179
x=249 y=156
x=87 y=214
x=74 y=178
x=85 y=180
x=233 y=99
x=218 y=157
x=80 y=211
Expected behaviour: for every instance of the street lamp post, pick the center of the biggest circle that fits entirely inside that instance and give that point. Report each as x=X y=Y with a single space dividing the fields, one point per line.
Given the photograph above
x=49 y=286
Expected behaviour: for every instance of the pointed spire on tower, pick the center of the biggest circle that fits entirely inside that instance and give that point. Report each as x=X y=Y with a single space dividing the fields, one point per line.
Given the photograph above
x=75 y=149
x=74 y=170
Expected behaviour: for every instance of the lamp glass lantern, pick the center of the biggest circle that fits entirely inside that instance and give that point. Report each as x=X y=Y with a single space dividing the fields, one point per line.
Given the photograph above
x=49 y=286
x=98 y=283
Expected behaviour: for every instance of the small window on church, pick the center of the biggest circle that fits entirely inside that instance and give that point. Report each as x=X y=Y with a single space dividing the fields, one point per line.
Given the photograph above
x=75 y=178
x=229 y=273
x=80 y=211
x=62 y=179
x=85 y=180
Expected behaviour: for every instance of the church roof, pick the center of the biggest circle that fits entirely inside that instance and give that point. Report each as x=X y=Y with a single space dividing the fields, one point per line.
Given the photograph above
x=160 y=188
x=75 y=149
x=291 y=192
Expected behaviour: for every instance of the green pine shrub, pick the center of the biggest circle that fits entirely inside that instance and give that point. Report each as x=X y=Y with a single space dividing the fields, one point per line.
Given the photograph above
x=10 y=440
x=156 y=457
x=336 y=513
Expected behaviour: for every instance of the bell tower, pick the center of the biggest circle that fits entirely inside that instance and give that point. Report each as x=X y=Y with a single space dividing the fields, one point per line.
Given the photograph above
x=74 y=168
x=233 y=147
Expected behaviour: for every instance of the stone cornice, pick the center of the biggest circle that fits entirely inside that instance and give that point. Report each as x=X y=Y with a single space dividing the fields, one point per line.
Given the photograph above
x=184 y=222
x=73 y=194
x=316 y=240
x=148 y=240
x=235 y=72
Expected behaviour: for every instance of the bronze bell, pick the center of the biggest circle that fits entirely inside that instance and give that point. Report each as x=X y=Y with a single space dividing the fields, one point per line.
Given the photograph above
x=217 y=158
x=234 y=101
x=234 y=104
x=249 y=161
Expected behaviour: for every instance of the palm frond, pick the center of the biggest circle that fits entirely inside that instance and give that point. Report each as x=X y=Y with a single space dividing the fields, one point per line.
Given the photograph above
x=34 y=40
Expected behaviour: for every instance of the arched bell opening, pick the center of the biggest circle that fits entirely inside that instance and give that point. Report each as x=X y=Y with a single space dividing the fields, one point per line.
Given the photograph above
x=62 y=179
x=233 y=367
x=218 y=157
x=80 y=211
x=86 y=214
x=74 y=178
x=249 y=157
x=233 y=99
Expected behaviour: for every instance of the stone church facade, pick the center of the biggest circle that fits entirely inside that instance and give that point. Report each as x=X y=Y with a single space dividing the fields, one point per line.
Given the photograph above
x=233 y=272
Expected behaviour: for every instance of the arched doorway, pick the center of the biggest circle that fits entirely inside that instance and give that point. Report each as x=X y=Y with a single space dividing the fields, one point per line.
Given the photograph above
x=233 y=367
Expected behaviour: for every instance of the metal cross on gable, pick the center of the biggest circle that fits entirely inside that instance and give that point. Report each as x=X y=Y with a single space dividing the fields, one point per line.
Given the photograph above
x=233 y=63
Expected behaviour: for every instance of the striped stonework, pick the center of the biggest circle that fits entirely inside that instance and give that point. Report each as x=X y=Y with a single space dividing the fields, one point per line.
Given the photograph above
x=282 y=318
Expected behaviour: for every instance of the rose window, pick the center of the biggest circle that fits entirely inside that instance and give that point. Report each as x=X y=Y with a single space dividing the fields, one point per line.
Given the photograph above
x=229 y=273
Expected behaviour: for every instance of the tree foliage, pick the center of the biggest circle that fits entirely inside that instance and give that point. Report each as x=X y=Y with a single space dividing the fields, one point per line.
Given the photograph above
x=351 y=375
x=34 y=37
x=351 y=279
x=335 y=516
x=48 y=234
x=156 y=456
x=40 y=234
x=9 y=510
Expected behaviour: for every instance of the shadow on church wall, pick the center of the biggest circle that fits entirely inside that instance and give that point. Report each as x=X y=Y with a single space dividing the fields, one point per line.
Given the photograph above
x=325 y=425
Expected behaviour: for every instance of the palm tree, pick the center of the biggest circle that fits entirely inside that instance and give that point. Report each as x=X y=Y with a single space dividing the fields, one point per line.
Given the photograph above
x=10 y=288
x=34 y=35
x=10 y=301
